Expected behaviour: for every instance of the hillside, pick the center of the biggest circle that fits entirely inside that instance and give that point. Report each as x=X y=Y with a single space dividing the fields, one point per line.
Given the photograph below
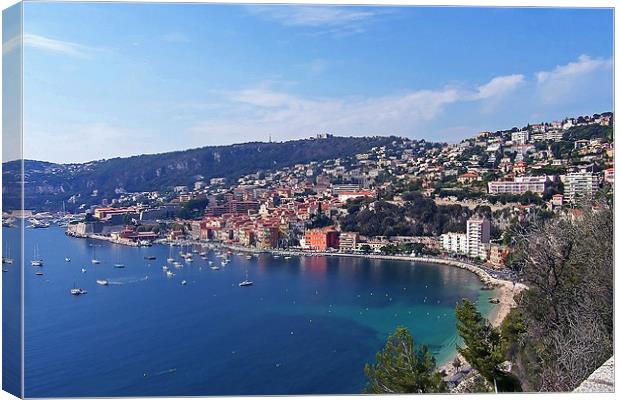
x=48 y=184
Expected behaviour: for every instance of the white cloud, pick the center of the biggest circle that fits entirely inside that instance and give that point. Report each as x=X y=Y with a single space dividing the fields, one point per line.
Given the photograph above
x=568 y=80
x=46 y=44
x=55 y=46
x=499 y=86
x=261 y=111
x=11 y=44
x=336 y=20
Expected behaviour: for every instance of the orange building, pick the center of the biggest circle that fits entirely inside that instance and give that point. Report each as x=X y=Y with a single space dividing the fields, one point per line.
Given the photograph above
x=520 y=167
x=322 y=239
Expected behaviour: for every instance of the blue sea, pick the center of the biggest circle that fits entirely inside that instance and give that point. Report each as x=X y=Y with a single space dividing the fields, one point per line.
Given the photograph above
x=307 y=325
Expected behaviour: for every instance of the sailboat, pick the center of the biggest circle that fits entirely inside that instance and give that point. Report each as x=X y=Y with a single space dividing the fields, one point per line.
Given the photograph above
x=170 y=258
x=36 y=260
x=94 y=260
x=7 y=259
x=246 y=282
x=118 y=263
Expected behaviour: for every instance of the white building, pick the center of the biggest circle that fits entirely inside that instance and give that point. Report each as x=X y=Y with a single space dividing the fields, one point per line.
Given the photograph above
x=453 y=242
x=520 y=184
x=520 y=137
x=580 y=184
x=478 y=237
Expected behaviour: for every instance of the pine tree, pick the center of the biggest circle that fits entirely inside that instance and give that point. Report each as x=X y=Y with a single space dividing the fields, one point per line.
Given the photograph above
x=401 y=368
x=483 y=347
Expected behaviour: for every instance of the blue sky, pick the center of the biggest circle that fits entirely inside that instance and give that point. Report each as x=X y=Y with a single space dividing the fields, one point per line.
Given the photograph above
x=106 y=80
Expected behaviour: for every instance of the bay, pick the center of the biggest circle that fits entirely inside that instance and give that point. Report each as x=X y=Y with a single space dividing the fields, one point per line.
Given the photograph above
x=307 y=325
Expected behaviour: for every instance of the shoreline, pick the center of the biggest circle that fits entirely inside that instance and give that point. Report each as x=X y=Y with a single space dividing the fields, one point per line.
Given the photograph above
x=504 y=290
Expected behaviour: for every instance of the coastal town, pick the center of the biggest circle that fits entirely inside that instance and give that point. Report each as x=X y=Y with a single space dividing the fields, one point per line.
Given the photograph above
x=478 y=189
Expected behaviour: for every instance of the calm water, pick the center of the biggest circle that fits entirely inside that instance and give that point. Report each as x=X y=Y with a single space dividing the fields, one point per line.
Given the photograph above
x=307 y=325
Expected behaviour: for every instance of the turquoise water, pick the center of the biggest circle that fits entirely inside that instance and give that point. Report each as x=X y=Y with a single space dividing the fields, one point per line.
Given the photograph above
x=307 y=325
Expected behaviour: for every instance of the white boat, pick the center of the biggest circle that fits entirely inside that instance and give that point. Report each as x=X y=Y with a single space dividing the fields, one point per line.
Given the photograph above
x=67 y=259
x=189 y=260
x=83 y=270
x=214 y=267
x=165 y=268
x=184 y=282
x=170 y=258
x=102 y=282
x=75 y=291
x=119 y=265
x=37 y=261
x=248 y=257
x=169 y=274
x=288 y=257
x=39 y=272
x=276 y=256
x=4 y=269
x=94 y=260
x=7 y=259
x=210 y=262
x=246 y=282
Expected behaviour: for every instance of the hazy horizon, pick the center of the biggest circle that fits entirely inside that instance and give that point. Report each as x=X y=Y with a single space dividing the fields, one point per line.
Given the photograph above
x=108 y=80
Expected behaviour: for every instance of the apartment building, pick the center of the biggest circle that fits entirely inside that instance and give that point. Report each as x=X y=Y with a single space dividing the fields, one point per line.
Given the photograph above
x=478 y=237
x=520 y=184
x=580 y=185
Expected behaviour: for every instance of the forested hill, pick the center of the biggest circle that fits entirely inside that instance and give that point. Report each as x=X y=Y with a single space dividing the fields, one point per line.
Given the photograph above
x=48 y=184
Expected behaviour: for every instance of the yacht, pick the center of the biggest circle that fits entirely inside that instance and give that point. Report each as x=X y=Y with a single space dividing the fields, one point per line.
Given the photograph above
x=276 y=256
x=248 y=257
x=150 y=257
x=83 y=270
x=214 y=267
x=119 y=265
x=288 y=257
x=67 y=259
x=39 y=272
x=184 y=282
x=4 y=269
x=246 y=282
x=76 y=291
x=210 y=262
x=169 y=274
x=165 y=268
x=102 y=282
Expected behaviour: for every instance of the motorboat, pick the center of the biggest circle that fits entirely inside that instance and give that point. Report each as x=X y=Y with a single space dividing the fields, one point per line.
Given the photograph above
x=75 y=291
x=165 y=268
x=83 y=270
x=150 y=257
x=184 y=282
x=214 y=267
x=102 y=282
x=170 y=274
x=39 y=273
x=119 y=265
x=67 y=259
